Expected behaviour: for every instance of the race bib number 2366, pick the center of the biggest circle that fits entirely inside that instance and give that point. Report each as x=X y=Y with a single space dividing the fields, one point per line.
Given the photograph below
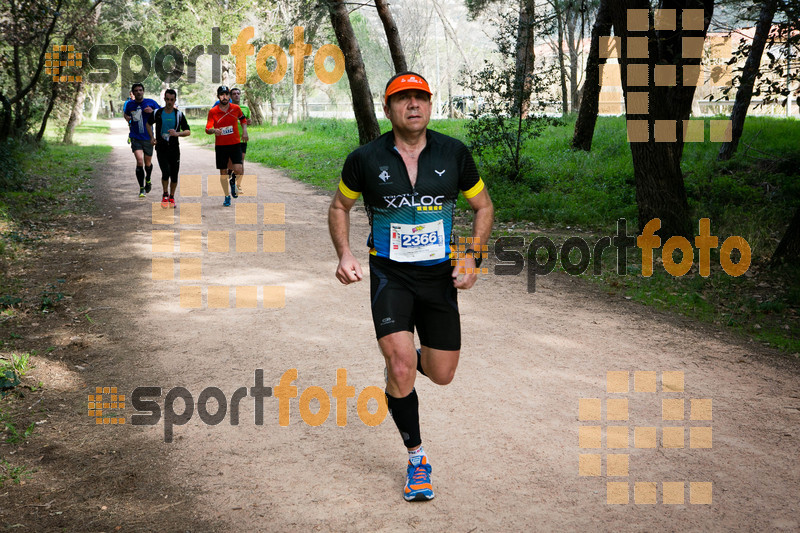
x=417 y=242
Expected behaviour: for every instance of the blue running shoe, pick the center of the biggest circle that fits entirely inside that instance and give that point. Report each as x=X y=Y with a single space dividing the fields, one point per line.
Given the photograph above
x=418 y=487
x=227 y=202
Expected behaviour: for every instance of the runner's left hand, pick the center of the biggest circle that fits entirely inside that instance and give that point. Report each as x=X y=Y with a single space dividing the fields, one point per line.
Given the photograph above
x=467 y=280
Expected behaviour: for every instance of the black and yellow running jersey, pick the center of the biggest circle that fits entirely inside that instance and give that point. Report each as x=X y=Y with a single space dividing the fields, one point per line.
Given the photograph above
x=408 y=222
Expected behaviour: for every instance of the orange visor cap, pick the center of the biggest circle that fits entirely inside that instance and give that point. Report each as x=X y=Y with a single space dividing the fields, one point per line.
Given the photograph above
x=404 y=83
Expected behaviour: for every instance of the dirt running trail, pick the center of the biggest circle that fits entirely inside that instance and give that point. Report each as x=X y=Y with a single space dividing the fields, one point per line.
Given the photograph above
x=503 y=438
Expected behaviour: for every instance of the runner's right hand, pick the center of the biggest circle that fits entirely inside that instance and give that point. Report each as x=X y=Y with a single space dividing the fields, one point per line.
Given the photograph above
x=349 y=271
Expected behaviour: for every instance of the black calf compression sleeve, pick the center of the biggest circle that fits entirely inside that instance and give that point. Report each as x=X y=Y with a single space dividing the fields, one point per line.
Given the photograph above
x=140 y=176
x=405 y=412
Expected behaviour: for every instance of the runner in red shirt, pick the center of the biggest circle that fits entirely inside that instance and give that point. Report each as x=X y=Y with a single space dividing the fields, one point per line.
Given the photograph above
x=222 y=123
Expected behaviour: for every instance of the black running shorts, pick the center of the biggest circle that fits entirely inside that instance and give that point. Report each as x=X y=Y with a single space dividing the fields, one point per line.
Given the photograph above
x=145 y=146
x=224 y=152
x=244 y=148
x=405 y=296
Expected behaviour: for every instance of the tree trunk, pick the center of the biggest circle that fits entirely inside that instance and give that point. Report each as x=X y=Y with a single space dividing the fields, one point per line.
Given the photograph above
x=523 y=84
x=97 y=100
x=5 y=122
x=392 y=36
x=562 y=70
x=450 y=32
x=363 y=106
x=788 y=249
x=47 y=111
x=290 y=111
x=572 y=46
x=587 y=115
x=450 y=111
x=749 y=72
x=660 y=191
x=76 y=116
x=256 y=117
x=304 y=102
x=273 y=108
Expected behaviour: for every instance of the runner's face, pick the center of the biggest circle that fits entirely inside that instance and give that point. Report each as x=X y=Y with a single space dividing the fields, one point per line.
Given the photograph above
x=409 y=110
x=138 y=94
x=224 y=98
x=236 y=96
x=169 y=100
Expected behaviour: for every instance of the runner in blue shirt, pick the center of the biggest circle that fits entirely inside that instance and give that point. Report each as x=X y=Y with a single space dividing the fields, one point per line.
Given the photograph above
x=139 y=115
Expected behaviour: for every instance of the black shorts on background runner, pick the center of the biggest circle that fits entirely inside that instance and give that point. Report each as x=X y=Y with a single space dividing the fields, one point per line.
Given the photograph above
x=244 y=148
x=228 y=151
x=405 y=296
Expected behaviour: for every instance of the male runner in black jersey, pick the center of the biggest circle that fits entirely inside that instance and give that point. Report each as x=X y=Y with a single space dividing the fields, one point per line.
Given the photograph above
x=410 y=178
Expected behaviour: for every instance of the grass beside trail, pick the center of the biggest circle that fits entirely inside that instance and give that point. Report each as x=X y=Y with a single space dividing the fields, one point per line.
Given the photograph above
x=47 y=182
x=87 y=133
x=41 y=184
x=584 y=194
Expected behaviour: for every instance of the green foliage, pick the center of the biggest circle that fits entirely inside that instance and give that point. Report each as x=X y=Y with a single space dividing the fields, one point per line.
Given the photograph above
x=498 y=133
x=8 y=300
x=11 y=370
x=19 y=364
x=50 y=297
x=12 y=473
x=15 y=436
x=775 y=76
x=10 y=171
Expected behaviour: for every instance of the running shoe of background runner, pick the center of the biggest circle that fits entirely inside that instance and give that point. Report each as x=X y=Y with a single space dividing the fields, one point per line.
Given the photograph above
x=148 y=186
x=172 y=203
x=418 y=486
x=165 y=201
x=227 y=202
x=141 y=192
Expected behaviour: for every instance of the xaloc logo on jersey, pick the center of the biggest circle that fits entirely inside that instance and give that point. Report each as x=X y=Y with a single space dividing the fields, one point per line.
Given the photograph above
x=409 y=200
